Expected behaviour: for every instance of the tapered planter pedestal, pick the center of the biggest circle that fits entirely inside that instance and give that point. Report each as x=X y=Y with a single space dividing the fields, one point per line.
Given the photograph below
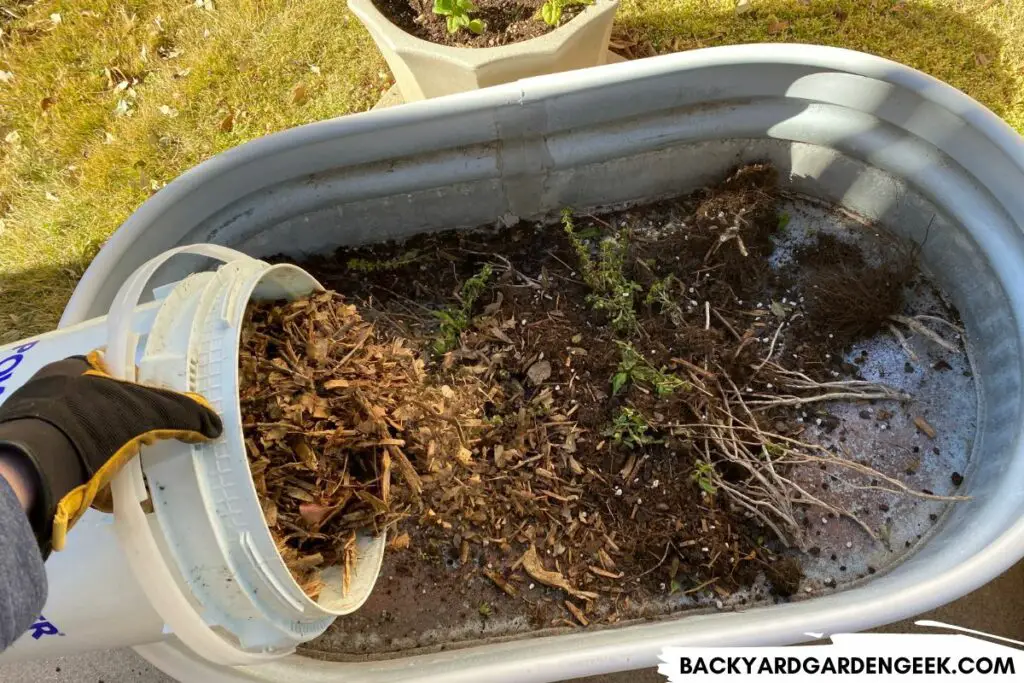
x=423 y=69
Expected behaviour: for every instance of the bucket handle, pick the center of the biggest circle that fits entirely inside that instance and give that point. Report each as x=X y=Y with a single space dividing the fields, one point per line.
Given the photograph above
x=128 y=488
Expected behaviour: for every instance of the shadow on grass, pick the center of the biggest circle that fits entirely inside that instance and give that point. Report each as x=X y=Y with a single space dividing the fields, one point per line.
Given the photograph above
x=946 y=44
x=32 y=300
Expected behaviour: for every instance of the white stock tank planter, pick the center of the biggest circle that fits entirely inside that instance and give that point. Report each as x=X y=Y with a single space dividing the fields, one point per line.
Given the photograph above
x=882 y=140
x=423 y=69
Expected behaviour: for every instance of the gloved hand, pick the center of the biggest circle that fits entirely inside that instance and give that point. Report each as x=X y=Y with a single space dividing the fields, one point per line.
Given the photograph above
x=79 y=426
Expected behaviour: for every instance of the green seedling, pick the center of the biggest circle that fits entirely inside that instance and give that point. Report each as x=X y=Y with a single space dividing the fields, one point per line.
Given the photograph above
x=634 y=368
x=551 y=11
x=783 y=221
x=360 y=265
x=455 y=319
x=630 y=428
x=485 y=609
x=704 y=476
x=660 y=293
x=457 y=14
x=611 y=291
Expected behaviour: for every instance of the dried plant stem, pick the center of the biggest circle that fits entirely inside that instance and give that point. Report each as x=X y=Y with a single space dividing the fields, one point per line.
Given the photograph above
x=834 y=396
x=916 y=326
x=771 y=349
x=943 y=321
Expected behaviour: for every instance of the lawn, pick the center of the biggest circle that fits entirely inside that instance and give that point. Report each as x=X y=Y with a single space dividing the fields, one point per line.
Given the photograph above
x=102 y=102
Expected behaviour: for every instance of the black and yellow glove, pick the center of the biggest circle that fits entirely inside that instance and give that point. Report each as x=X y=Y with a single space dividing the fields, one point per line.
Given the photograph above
x=79 y=426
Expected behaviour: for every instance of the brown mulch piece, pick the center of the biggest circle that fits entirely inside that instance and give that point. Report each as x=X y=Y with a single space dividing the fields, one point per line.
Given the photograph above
x=334 y=416
x=507 y=21
x=526 y=472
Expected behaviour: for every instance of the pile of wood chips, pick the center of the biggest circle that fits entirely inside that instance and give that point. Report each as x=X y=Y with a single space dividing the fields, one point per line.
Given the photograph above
x=334 y=418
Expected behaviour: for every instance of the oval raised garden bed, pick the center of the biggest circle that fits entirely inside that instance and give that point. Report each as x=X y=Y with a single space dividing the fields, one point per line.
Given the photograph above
x=892 y=146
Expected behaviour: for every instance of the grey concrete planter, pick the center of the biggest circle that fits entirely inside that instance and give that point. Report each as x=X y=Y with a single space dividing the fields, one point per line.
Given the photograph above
x=864 y=133
x=423 y=69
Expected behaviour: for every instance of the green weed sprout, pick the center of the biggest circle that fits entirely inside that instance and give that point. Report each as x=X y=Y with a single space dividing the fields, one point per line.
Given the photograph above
x=361 y=265
x=704 y=476
x=611 y=291
x=661 y=293
x=455 y=319
x=457 y=13
x=634 y=368
x=630 y=428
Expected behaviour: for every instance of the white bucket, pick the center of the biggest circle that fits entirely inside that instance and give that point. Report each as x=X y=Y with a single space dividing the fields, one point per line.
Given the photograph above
x=204 y=559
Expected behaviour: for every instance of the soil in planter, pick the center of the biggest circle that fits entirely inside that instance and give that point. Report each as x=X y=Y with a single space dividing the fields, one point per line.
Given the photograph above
x=506 y=21
x=649 y=410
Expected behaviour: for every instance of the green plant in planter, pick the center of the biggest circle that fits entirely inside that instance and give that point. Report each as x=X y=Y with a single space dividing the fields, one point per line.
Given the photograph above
x=457 y=13
x=551 y=11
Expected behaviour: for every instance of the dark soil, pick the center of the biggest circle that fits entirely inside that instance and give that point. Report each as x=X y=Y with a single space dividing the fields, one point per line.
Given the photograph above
x=855 y=296
x=626 y=418
x=507 y=21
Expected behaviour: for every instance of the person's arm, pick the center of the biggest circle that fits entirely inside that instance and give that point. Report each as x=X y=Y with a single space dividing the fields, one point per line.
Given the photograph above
x=64 y=435
x=22 y=577
x=19 y=474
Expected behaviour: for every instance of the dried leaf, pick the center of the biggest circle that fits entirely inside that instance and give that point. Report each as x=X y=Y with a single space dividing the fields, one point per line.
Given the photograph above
x=309 y=561
x=605 y=573
x=982 y=59
x=539 y=372
x=304 y=453
x=400 y=542
x=299 y=95
x=373 y=501
x=500 y=582
x=299 y=494
x=314 y=513
x=406 y=469
x=269 y=511
x=777 y=27
x=535 y=568
x=385 y=477
x=926 y=428
x=577 y=612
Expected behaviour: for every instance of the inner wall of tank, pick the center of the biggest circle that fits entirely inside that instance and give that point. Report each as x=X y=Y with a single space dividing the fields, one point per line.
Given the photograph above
x=366 y=204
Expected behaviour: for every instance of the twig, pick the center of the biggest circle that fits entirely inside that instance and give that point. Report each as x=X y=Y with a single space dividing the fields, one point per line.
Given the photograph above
x=660 y=562
x=918 y=327
x=835 y=396
x=903 y=342
x=727 y=325
x=771 y=349
x=937 y=319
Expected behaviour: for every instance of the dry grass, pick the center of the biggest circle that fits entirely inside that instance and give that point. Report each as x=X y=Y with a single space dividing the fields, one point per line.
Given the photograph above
x=81 y=151
x=73 y=165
